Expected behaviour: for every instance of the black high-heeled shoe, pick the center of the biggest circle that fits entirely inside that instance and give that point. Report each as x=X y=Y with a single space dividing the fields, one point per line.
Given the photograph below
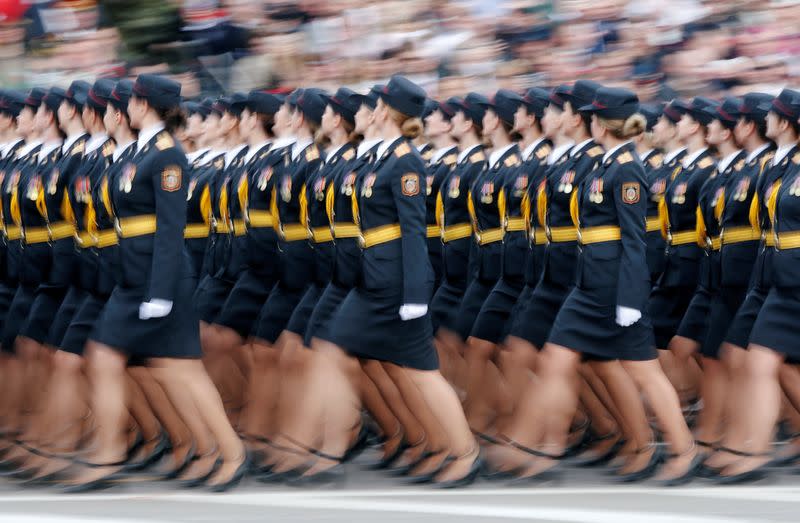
x=648 y=471
x=469 y=478
x=386 y=461
x=594 y=461
x=428 y=477
x=331 y=476
x=187 y=460
x=748 y=476
x=102 y=483
x=158 y=452
x=402 y=470
x=200 y=480
x=237 y=477
x=691 y=472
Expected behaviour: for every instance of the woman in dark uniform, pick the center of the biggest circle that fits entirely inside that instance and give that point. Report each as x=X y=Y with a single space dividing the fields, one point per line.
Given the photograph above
x=652 y=160
x=503 y=258
x=603 y=318
x=149 y=313
x=386 y=316
x=764 y=318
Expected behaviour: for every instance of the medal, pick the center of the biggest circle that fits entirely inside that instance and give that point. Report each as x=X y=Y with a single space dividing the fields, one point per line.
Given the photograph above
x=487 y=193
x=454 y=191
x=286 y=189
x=369 y=181
x=428 y=185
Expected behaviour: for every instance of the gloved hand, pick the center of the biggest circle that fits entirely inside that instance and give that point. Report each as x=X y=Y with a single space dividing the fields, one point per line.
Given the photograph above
x=154 y=308
x=627 y=316
x=411 y=311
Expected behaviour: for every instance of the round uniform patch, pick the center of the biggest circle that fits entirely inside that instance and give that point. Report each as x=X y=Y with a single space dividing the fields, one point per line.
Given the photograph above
x=410 y=184
x=171 y=178
x=630 y=193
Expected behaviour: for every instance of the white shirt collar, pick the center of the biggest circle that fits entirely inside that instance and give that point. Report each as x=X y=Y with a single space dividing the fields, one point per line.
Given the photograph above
x=558 y=152
x=645 y=154
x=9 y=146
x=233 y=153
x=330 y=153
x=496 y=155
x=421 y=147
x=191 y=157
x=689 y=159
x=725 y=162
x=147 y=134
x=212 y=155
x=121 y=148
x=466 y=152
x=69 y=141
x=439 y=154
x=781 y=153
x=299 y=147
x=4 y=149
x=28 y=147
x=47 y=148
x=613 y=150
x=95 y=142
x=366 y=145
x=384 y=146
x=528 y=152
x=578 y=147
x=251 y=152
x=672 y=154
x=752 y=156
x=284 y=142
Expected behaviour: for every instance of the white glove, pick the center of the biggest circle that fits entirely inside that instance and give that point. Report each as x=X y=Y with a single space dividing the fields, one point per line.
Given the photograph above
x=154 y=309
x=627 y=316
x=412 y=310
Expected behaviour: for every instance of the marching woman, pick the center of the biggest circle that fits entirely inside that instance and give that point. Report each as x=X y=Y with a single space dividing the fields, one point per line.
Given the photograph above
x=199 y=218
x=652 y=160
x=500 y=233
x=386 y=316
x=150 y=313
x=765 y=317
x=456 y=225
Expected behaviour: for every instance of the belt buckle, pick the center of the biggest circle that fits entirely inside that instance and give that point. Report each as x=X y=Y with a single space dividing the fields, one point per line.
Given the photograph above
x=548 y=234
x=777 y=241
x=117 y=227
x=362 y=242
x=580 y=237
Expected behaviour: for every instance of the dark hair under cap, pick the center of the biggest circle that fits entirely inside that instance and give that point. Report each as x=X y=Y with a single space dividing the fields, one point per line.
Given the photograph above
x=294 y=96
x=98 y=95
x=651 y=113
x=473 y=106
x=121 y=94
x=53 y=98
x=35 y=97
x=504 y=104
x=345 y=103
x=404 y=96
x=726 y=113
x=447 y=110
x=613 y=103
x=787 y=105
x=557 y=95
x=160 y=92
x=581 y=94
x=535 y=101
x=264 y=103
x=755 y=106
x=238 y=101
x=12 y=102
x=312 y=103
x=431 y=105
x=78 y=93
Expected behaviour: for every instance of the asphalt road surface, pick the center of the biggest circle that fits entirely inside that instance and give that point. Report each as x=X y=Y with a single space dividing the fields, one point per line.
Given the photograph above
x=581 y=496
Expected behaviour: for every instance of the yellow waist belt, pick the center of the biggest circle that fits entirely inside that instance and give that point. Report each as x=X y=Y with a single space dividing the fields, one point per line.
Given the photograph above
x=379 y=235
x=517 y=223
x=220 y=226
x=787 y=240
x=682 y=238
x=714 y=243
x=260 y=219
x=13 y=232
x=653 y=224
x=599 y=234
x=433 y=231
x=739 y=234
x=52 y=232
x=769 y=238
x=458 y=231
x=561 y=234
x=239 y=228
x=106 y=238
x=196 y=230
x=488 y=236
x=538 y=236
x=321 y=234
x=292 y=232
x=134 y=226
x=84 y=239
x=346 y=230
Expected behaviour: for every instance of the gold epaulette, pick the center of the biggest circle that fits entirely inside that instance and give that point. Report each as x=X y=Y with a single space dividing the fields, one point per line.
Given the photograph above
x=705 y=162
x=164 y=141
x=656 y=160
x=511 y=161
x=739 y=165
x=427 y=155
x=108 y=149
x=543 y=152
x=796 y=158
x=477 y=157
x=595 y=151
x=624 y=158
x=312 y=154
x=219 y=163
x=78 y=147
x=450 y=159
x=402 y=150
x=348 y=154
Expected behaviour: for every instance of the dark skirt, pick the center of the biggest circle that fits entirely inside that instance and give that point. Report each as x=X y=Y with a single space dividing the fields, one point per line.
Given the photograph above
x=666 y=308
x=83 y=322
x=776 y=325
x=298 y=322
x=587 y=324
x=276 y=312
x=7 y=293
x=471 y=304
x=724 y=305
x=176 y=335
x=694 y=324
x=742 y=324
x=210 y=296
x=320 y=323
x=69 y=307
x=368 y=325
x=240 y=311
x=43 y=310
x=496 y=311
x=445 y=303
x=535 y=317
x=17 y=312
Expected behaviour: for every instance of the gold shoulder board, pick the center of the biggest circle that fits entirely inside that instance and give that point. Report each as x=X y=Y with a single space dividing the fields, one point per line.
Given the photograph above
x=450 y=160
x=595 y=151
x=477 y=157
x=796 y=158
x=656 y=160
x=624 y=158
x=348 y=154
x=705 y=162
x=312 y=154
x=543 y=152
x=164 y=141
x=511 y=161
x=402 y=150
x=79 y=147
x=108 y=149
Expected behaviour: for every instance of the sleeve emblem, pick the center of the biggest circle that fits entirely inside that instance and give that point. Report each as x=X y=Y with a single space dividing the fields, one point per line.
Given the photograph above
x=171 y=178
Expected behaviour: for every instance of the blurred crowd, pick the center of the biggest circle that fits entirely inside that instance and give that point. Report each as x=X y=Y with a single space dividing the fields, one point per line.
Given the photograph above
x=659 y=49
